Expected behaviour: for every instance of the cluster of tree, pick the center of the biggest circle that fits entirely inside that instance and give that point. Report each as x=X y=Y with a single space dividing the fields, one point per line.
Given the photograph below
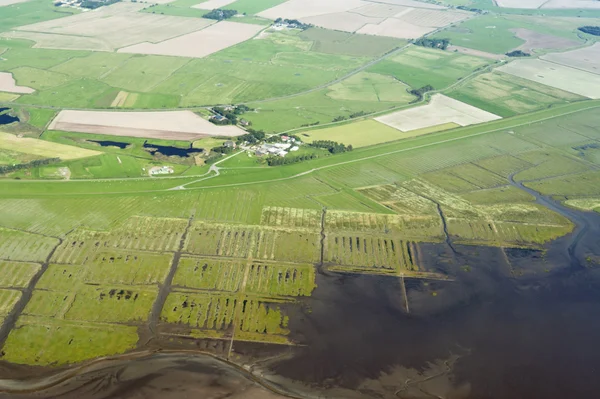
x=212 y=158
x=38 y=162
x=591 y=30
x=476 y=10
x=93 y=4
x=442 y=44
x=292 y=23
x=230 y=114
x=518 y=53
x=420 y=91
x=310 y=124
x=332 y=146
x=276 y=161
x=358 y=114
x=252 y=137
x=223 y=149
x=220 y=15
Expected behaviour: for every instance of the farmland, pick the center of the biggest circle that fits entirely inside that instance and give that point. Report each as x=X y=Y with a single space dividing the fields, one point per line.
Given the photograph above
x=419 y=176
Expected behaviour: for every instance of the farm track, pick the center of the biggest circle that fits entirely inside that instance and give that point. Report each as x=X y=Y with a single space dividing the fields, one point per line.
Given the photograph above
x=165 y=287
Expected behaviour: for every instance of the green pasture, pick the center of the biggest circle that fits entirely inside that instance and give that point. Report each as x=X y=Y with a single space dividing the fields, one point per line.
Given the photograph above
x=30 y=12
x=337 y=42
x=420 y=66
x=508 y=95
x=492 y=33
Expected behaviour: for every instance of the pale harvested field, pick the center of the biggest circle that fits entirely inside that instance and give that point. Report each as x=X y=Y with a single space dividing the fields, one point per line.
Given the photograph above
x=120 y=99
x=378 y=10
x=8 y=84
x=535 y=40
x=476 y=53
x=110 y=28
x=9 y=2
x=520 y=3
x=42 y=148
x=441 y=110
x=176 y=125
x=344 y=21
x=394 y=28
x=297 y=9
x=433 y=18
x=554 y=75
x=549 y=3
x=572 y=4
x=213 y=4
x=405 y=19
x=412 y=3
x=587 y=58
x=199 y=44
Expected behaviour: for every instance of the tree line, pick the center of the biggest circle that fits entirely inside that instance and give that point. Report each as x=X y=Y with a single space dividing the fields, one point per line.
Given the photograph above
x=220 y=15
x=518 y=53
x=441 y=44
x=332 y=146
x=277 y=161
x=38 y=162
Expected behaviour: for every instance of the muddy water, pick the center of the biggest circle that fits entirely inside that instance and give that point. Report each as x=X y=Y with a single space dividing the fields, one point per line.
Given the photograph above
x=510 y=324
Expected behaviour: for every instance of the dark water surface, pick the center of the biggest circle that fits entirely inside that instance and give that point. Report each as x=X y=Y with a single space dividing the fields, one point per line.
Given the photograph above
x=105 y=143
x=171 y=151
x=513 y=324
x=6 y=119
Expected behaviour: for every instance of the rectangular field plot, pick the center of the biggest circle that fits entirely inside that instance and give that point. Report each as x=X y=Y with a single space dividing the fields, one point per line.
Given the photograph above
x=477 y=176
x=506 y=95
x=503 y=165
x=61 y=278
x=261 y=321
x=17 y=274
x=290 y=246
x=215 y=240
x=440 y=110
x=86 y=303
x=400 y=199
x=43 y=342
x=114 y=305
x=291 y=217
x=8 y=299
x=137 y=233
x=209 y=274
x=554 y=75
x=552 y=165
x=279 y=280
x=212 y=312
x=466 y=231
x=583 y=184
x=20 y=246
x=385 y=255
x=128 y=268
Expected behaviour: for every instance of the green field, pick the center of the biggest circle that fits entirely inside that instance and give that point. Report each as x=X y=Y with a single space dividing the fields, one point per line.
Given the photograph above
x=336 y=42
x=420 y=66
x=97 y=258
x=492 y=33
x=358 y=134
x=508 y=95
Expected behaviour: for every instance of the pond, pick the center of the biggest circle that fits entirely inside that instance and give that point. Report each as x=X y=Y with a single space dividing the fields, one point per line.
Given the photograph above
x=105 y=143
x=6 y=119
x=171 y=151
